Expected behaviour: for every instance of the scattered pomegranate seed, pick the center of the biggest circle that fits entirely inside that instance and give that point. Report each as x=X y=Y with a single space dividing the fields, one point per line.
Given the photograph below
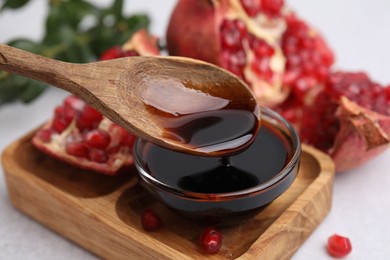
x=339 y=246
x=97 y=138
x=150 y=220
x=210 y=240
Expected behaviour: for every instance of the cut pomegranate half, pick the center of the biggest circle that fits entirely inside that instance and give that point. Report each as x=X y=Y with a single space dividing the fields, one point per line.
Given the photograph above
x=260 y=41
x=347 y=117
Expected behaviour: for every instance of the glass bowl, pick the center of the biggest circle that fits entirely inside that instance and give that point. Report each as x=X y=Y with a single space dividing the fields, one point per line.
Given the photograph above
x=221 y=204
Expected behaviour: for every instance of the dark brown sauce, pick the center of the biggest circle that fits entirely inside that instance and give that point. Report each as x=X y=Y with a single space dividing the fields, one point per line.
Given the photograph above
x=259 y=163
x=214 y=123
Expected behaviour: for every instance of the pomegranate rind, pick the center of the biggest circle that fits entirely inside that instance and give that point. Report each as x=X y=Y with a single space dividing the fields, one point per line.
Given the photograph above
x=363 y=135
x=200 y=42
x=143 y=43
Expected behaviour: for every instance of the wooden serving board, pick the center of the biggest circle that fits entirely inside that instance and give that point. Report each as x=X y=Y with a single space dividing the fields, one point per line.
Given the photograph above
x=102 y=213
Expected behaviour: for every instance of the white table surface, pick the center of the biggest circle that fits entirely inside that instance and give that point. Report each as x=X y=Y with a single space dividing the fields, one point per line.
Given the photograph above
x=359 y=32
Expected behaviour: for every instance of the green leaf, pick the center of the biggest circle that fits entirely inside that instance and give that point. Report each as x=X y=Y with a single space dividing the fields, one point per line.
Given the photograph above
x=67 y=39
x=12 y=88
x=27 y=45
x=32 y=90
x=117 y=9
x=75 y=11
x=55 y=25
x=14 y=4
x=19 y=80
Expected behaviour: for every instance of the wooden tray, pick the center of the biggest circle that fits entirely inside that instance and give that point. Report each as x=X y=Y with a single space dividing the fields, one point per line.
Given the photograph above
x=102 y=213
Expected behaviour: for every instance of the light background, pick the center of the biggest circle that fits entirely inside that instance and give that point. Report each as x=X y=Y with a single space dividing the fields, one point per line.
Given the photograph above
x=358 y=31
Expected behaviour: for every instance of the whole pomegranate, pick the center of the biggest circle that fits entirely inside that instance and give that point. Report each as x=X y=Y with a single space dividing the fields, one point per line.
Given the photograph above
x=260 y=41
x=81 y=136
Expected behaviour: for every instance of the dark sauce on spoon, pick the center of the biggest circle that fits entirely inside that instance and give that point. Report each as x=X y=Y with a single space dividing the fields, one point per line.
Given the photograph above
x=259 y=163
x=214 y=124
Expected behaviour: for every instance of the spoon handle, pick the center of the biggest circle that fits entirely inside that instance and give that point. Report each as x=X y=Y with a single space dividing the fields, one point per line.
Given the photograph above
x=35 y=67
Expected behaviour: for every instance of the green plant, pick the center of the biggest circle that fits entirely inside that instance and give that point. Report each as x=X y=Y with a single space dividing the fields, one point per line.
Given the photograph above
x=76 y=31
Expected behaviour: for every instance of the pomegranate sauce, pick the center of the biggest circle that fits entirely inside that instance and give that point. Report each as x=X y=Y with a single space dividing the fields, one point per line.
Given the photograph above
x=259 y=163
x=216 y=124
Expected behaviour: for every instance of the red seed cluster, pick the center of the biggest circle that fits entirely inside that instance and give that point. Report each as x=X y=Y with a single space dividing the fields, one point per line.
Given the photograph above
x=86 y=140
x=234 y=41
x=358 y=87
x=320 y=124
x=308 y=57
x=269 y=7
x=233 y=36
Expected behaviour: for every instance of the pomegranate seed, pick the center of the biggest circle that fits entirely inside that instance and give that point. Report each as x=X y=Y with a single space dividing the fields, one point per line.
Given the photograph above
x=97 y=155
x=150 y=220
x=59 y=111
x=231 y=34
x=77 y=149
x=251 y=7
x=121 y=136
x=339 y=246
x=74 y=103
x=59 y=124
x=90 y=112
x=97 y=138
x=237 y=70
x=261 y=48
x=69 y=114
x=45 y=135
x=290 y=115
x=88 y=118
x=210 y=240
x=113 y=149
x=237 y=58
x=128 y=140
x=272 y=7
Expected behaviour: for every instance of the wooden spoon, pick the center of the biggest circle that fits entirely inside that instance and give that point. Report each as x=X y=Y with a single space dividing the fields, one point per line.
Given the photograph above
x=141 y=93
